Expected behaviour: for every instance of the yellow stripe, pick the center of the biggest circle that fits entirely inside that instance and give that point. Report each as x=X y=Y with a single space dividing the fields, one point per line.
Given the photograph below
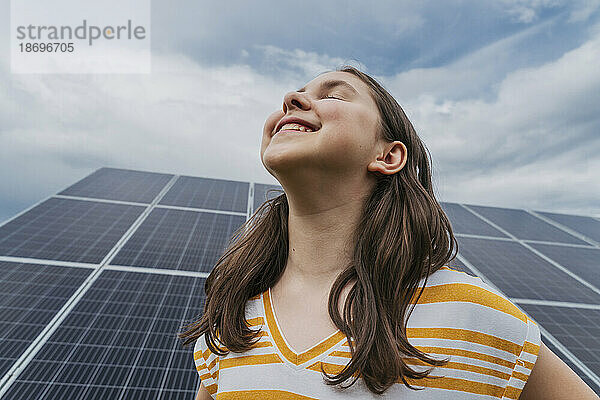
x=520 y=376
x=446 y=351
x=456 y=384
x=531 y=348
x=463 y=367
x=212 y=389
x=512 y=393
x=261 y=394
x=466 y=335
x=265 y=343
x=527 y=364
x=256 y=321
x=468 y=293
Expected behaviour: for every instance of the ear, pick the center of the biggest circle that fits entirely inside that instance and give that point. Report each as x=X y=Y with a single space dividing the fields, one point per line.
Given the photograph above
x=390 y=159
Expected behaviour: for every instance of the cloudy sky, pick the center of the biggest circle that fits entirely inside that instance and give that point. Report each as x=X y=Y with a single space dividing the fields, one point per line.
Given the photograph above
x=505 y=95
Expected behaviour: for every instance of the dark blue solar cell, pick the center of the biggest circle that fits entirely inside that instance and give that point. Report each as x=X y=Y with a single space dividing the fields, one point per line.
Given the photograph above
x=465 y=222
x=578 y=329
x=587 y=226
x=525 y=226
x=583 y=262
x=120 y=184
x=67 y=230
x=208 y=194
x=519 y=272
x=119 y=340
x=30 y=296
x=179 y=239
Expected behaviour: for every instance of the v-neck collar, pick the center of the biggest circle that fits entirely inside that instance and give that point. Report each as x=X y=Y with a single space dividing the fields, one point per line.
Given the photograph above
x=319 y=350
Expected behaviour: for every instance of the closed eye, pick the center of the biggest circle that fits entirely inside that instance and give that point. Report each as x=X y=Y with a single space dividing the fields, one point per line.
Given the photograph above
x=331 y=97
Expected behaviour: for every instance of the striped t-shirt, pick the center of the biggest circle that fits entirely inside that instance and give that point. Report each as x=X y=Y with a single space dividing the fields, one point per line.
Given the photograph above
x=492 y=347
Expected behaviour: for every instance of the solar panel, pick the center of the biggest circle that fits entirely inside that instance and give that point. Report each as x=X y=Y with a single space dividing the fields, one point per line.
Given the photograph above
x=578 y=329
x=585 y=262
x=524 y=225
x=208 y=194
x=585 y=225
x=465 y=222
x=117 y=339
x=119 y=184
x=518 y=272
x=179 y=239
x=30 y=296
x=119 y=342
x=67 y=230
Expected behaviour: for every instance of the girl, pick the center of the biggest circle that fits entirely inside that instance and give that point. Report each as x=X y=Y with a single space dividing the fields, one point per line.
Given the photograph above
x=312 y=298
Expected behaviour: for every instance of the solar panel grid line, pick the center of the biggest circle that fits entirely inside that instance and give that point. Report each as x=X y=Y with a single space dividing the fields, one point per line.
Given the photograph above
x=99 y=200
x=98 y=364
x=189 y=238
x=250 y=201
x=564 y=228
x=539 y=254
x=39 y=342
x=209 y=210
x=470 y=235
x=25 y=211
x=142 y=346
x=551 y=303
x=163 y=271
x=120 y=184
x=21 y=363
x=175 y=343
x=40 y=261
x=40 y=216
x=67 y=230
x=523 y=225
x=115 y=250
x=580 y=246
x=572 y=357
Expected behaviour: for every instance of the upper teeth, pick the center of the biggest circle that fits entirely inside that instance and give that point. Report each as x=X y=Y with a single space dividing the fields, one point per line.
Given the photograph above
x=297 y=127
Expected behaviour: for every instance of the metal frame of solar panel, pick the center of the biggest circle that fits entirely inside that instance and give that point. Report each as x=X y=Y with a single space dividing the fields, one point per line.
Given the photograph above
x=119 y=260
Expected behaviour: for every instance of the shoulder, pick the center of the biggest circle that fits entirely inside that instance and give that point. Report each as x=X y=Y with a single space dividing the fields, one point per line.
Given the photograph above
x=458 y=310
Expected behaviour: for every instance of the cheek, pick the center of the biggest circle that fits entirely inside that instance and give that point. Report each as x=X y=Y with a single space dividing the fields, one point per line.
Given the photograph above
x=350 y=130
x=271 y=121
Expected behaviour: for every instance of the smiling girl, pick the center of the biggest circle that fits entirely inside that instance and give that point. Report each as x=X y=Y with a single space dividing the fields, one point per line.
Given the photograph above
x=339 y=287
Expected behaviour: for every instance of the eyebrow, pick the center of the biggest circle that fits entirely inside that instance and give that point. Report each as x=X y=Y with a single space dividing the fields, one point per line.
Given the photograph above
x=333 y=83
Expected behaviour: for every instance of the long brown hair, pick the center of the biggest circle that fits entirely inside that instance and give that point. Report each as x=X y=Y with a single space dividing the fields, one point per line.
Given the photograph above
x=402 y=236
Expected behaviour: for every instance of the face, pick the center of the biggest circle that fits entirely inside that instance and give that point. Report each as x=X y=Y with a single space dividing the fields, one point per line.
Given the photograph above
x=346 y=120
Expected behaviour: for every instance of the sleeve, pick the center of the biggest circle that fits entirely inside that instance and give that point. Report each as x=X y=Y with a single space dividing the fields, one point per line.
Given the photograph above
x=525 y=361
x=207 y=365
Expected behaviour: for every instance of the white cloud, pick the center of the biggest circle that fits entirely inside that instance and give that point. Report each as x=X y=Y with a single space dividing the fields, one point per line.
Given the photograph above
x=535 y=143
x=498 y=136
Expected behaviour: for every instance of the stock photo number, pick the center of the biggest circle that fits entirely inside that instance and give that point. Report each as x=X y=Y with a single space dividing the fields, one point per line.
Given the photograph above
x=46 y=47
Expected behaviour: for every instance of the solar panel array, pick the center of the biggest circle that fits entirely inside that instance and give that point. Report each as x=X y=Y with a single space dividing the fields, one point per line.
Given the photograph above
x=96 y=281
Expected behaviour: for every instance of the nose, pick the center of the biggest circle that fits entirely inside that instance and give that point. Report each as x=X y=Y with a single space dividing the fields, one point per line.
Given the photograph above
x=294 y=99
